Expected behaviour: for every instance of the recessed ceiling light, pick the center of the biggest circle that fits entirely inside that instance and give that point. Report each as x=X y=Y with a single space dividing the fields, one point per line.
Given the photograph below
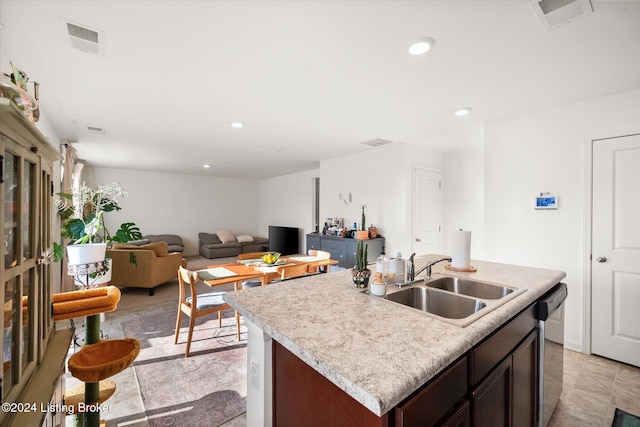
x=237 y=125
x=206 y=166
x=421 y=46
x=462 y=111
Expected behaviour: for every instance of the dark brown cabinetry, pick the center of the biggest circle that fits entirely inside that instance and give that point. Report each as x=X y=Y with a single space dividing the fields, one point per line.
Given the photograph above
x=436 y=401
x=344 y=249
x=507 y=396
x=494 y=384
x=503 y=375
x=490 y=400
x=523 y=393
x=461 y=416
x=303 y=397
x=501 y=385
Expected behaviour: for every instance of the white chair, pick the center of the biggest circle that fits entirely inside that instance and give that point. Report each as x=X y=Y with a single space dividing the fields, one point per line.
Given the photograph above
x=320 y=255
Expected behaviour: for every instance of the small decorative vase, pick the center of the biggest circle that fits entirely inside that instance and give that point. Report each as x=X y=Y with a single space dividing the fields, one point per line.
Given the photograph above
x=360 y=278
x=362 y=234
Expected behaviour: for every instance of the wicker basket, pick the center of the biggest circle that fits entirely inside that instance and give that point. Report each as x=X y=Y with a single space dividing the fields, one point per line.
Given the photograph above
x=76 y=395
x=103 y=359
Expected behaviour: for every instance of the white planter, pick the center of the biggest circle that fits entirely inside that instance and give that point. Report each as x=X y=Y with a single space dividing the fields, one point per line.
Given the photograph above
x=86 y=254
x=95 y=281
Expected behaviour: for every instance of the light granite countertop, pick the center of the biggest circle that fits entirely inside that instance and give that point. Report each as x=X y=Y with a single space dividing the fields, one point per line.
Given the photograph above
x=375 y=350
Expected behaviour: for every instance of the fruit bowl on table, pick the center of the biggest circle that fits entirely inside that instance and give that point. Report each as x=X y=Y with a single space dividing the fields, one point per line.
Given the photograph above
x=270 y=258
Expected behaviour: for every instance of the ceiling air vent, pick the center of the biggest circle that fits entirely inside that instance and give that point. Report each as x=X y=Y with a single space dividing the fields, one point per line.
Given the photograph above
x=95 y=129
x=84 y=38
x=554 y=13
x=376 y=142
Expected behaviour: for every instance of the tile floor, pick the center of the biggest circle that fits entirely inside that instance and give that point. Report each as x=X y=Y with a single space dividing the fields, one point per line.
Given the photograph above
x=593 y=388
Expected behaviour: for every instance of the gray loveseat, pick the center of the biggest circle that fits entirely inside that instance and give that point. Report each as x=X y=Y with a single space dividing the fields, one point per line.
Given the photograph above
x=212 y=247
x=174 y=241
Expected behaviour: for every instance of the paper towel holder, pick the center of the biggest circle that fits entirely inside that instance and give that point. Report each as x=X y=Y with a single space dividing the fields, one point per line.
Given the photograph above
x=469 y=269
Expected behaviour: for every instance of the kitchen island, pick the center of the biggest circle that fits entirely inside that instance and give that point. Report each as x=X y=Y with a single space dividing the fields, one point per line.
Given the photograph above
x=376 y=352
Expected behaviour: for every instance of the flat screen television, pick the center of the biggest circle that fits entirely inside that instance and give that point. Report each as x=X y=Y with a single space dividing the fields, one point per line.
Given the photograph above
x=283 y=239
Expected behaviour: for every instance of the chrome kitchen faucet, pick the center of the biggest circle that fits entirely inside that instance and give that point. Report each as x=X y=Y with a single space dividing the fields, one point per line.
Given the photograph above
x=411 y=267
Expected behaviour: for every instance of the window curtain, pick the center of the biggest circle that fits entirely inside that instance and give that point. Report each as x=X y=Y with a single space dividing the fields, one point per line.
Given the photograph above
x=69 y=166
x=68 y=182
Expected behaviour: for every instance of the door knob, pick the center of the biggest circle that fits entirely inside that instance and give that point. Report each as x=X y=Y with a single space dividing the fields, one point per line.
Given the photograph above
x=601 y=259
x=418 y=240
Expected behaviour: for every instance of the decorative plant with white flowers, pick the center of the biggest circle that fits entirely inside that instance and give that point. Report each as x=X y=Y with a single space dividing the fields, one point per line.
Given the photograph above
x=82 y=212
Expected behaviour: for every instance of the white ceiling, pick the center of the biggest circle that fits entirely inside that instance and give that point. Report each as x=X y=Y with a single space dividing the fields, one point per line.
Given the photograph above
x=310 y=79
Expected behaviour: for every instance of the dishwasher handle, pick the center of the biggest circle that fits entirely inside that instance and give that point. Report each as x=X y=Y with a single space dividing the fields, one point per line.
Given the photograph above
x=550 y=301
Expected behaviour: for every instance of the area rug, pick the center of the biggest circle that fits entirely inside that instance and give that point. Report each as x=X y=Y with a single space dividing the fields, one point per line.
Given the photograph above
x=624 y=419
x=206 y=389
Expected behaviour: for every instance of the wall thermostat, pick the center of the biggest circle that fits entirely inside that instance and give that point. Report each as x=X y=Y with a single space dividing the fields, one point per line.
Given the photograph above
x=546 y=201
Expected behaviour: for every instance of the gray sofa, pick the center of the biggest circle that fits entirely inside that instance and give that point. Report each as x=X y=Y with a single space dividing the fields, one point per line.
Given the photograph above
x=173 y=240
x=211 y=246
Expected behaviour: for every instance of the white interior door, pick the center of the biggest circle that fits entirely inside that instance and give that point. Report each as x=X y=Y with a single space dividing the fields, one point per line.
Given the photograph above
x=615 y=264
x=427 y=211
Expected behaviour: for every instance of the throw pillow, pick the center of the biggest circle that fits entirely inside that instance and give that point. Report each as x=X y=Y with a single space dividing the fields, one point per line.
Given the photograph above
x=207 y=239
x=171 y=239
x=139 y=242
x=225 y=235
x=160 y=248
x=244 y=238
x=124 y=246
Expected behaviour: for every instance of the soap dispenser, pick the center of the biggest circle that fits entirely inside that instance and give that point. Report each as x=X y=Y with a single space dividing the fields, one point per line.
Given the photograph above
x=382 y=265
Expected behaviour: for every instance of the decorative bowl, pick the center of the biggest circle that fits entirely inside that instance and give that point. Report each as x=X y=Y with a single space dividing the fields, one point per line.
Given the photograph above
x=95 y=362
x=270 y=257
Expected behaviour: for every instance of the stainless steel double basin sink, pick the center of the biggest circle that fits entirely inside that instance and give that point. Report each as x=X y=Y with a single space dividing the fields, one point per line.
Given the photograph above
x=455 y=300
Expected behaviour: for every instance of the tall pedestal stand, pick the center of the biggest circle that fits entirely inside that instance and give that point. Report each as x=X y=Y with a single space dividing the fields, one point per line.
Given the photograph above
x=92 y=336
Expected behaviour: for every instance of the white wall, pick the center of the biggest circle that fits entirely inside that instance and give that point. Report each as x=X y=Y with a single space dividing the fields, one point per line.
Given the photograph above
x=463 y=195
x=381 y=179
x=545 y=151
x=161 y=203
x=488 y=190
x=287 y=201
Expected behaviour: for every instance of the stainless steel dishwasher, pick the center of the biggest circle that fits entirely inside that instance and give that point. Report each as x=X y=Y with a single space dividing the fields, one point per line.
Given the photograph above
x=550 y=315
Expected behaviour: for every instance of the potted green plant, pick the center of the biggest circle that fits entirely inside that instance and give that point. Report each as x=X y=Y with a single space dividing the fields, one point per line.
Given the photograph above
x=360 y=273
x=82 y=213
x=363 y=233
